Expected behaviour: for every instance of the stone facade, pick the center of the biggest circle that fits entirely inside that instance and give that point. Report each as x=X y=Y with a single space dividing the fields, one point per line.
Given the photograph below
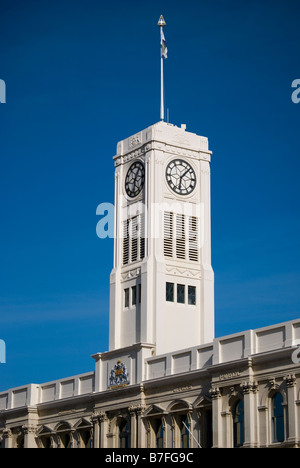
x=219 y=395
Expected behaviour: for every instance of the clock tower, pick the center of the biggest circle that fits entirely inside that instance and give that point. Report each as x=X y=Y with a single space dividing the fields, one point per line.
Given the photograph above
x=162 y=282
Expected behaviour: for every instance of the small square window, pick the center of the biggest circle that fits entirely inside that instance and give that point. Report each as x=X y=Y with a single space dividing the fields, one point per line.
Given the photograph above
x=133 y=295
x=192 y=295
x=181 y=293
x=126 y=297
x=170 y=292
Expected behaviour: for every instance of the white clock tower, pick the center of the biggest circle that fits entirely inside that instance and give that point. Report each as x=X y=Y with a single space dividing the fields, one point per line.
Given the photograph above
x=162 y=282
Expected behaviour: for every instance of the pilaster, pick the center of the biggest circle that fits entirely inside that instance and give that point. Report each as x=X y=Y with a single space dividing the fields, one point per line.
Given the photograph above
x=216 y=397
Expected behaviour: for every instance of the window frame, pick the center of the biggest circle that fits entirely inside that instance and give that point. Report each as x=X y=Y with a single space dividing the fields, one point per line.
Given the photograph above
x=173 y=292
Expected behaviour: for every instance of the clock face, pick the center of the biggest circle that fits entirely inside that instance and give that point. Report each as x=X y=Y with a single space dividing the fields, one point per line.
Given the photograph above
x=181 y=177
x=135 y=179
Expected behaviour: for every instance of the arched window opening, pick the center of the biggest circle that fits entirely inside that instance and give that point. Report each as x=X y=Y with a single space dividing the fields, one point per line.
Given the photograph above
x=65 y=440
x=124 y=434
x=86 y=439
x=277 y=418
x=238 y=424
x=184 y=431
x=20 y=441
x=159 y=434
x=208 y=429
x=45 y=441
x=64 y=436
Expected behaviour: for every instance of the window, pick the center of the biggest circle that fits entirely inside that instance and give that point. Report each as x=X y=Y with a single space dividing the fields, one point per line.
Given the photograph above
x=85 y=439
x=207 y=441
x=126 y=297
x=159 y=434
x=124 y=434
x=170 y=292
x=238 y=424
x=181 y=293
x=277 y=418
x=140 y=292
x=133 y=295
x=184 y=432
x=192 y=295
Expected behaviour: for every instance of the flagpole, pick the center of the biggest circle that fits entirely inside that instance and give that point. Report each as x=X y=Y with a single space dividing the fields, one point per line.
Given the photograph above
x=161 y=24
x=162 y=106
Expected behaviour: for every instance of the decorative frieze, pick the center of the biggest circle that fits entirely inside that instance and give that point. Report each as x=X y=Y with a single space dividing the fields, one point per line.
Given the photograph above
x=132 y=274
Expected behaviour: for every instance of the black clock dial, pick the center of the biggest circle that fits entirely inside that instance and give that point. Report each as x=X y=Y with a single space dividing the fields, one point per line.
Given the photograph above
x=181 y=177
x=135 y=179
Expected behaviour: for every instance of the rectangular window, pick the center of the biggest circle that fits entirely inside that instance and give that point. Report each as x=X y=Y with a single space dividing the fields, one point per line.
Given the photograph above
x=192 y=295
x=140 y=293
x=133 y=295
x=126 y=297
x=170 y=292
x=181 y=293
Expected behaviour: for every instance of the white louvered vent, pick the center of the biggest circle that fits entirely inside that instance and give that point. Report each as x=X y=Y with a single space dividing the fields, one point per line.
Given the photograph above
x=134 y=239
x=168 y=234
x=126 y=242
x=193 y=239
x=181 y=237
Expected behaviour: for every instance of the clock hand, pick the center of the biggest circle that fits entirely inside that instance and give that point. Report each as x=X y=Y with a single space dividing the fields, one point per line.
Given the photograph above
x=182 y=178
x=185 y=173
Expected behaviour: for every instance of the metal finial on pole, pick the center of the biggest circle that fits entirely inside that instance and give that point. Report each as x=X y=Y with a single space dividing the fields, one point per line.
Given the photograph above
x=161 y=23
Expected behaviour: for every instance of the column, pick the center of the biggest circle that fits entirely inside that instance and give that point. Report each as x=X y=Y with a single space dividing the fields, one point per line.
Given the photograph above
x=293 y=431
x=141 y=431
x=264 y=426
x=216 y=397
x=103 y=429
x=133 y=428
x=96 y=431
x=29 y=436
x=250 y=420
x=7 y=434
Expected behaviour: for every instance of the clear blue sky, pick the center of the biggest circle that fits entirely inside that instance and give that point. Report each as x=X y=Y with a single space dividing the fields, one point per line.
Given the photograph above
x=82 y=75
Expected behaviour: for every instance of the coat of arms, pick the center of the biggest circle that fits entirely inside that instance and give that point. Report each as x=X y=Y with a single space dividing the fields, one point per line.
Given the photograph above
x=119 y=375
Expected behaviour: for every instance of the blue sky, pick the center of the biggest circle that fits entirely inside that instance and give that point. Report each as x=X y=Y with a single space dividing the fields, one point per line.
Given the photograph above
x=82 y=75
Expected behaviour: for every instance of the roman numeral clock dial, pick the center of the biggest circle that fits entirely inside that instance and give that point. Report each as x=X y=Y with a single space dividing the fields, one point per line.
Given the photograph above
x=181 y=177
